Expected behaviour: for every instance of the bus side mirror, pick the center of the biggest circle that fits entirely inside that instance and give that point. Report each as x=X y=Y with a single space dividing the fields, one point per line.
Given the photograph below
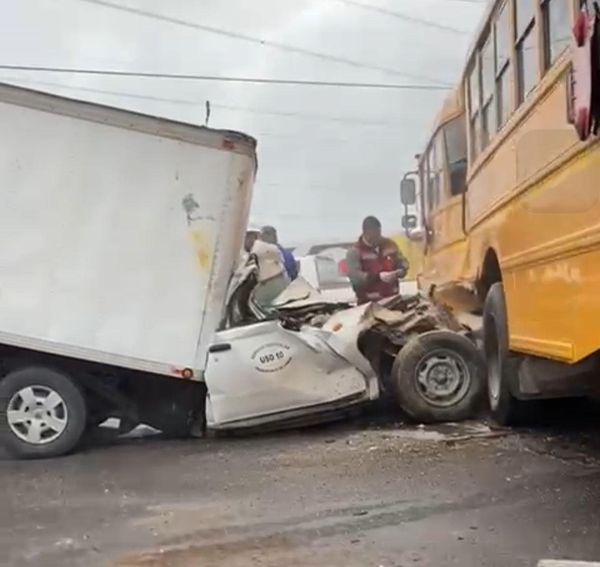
x=409 y=222
x=408 y=191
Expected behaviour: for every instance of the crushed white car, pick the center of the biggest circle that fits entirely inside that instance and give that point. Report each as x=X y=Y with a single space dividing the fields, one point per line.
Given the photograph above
x=317 y=357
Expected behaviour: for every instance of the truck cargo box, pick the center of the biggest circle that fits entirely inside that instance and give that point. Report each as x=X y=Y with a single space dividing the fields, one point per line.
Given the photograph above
x=118 y=231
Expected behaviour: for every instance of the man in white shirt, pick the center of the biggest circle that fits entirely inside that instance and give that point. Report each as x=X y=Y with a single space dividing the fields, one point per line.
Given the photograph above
x=272 y=275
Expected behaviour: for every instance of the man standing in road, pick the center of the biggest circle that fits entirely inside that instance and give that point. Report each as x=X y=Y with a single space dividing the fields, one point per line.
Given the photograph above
x=375 y=264
x=269 y=234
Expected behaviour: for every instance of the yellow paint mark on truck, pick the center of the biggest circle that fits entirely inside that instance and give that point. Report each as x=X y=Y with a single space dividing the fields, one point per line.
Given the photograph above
x=201 y=249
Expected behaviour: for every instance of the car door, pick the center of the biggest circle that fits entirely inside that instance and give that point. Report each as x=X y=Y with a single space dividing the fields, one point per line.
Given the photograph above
x=264 y=373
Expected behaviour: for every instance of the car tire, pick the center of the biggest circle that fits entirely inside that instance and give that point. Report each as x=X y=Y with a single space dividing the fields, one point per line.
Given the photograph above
x=502 y=366
x=43 y=413
x=439 y=376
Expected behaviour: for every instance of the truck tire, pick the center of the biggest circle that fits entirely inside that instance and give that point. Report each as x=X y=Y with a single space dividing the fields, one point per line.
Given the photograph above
x=501 y=365
x=439 y=376
x=42 y=413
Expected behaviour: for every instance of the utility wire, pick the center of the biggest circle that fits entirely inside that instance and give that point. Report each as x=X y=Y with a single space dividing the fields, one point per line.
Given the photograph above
x=224 y=79
x=404 y=17
x=198 y=103
x=262 y=41
x=480 y=2
x=473 y=2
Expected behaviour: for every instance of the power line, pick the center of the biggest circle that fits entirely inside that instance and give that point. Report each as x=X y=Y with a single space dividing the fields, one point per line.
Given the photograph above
x=198 y=103
x=224 y=79
x=261 y=41
x=403 y=17
x=317 y=117
x=480 y=2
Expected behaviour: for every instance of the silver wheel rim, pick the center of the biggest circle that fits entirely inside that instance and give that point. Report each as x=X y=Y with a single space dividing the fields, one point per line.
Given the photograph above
x=443 y=378
x=37 y=415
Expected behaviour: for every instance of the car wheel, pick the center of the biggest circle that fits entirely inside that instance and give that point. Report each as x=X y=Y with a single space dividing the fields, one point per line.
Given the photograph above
x=439 y=376
x=42 y=413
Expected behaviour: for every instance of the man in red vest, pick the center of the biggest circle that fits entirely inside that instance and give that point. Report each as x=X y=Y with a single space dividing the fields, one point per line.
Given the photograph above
x=375 y=264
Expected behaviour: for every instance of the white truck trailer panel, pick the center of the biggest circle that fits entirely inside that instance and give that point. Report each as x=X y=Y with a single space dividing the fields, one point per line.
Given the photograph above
x=118 y=231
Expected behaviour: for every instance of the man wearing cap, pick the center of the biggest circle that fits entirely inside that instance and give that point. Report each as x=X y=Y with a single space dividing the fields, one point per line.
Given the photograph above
x=269 y=234
x=252 y=235
x=375 y=264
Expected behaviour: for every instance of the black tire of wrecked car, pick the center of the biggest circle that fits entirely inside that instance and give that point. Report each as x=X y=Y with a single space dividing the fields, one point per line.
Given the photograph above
x=405 y=369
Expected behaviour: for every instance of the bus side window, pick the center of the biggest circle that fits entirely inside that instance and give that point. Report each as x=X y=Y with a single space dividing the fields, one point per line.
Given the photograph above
x=435 y=172
x=489 y=123
x=557 y=29
x=424 y=193
x=456 y=154
x=430 y=181
x=474 y=103
x=440 y=157
x=526 y=47
x=502 y=66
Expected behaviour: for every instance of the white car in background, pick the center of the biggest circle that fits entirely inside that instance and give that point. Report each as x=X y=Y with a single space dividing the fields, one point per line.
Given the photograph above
x=324 y=274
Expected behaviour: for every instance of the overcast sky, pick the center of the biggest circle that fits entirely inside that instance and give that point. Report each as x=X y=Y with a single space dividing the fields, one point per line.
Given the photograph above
x=328 y=155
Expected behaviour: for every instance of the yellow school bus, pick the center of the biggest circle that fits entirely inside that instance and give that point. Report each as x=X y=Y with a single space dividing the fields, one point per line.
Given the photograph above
x=412 y=252
x=510 y=200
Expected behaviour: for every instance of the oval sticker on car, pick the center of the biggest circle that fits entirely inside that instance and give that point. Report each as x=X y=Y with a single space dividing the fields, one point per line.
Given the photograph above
x=272 y=357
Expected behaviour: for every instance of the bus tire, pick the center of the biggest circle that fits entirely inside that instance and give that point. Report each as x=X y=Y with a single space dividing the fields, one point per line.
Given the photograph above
x=502 y=367
x=439 y=376
x=43 y=413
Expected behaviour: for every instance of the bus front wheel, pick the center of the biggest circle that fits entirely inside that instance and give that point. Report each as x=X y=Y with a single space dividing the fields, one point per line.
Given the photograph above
x=502 y=366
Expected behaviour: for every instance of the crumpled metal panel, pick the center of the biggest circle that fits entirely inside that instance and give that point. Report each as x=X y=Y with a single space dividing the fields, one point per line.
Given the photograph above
x=400 y=318
x=397 y=318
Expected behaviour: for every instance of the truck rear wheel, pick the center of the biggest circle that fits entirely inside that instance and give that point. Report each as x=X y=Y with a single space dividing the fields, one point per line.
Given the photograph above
x=439 y=376
x=42 y=413
x=501 y=366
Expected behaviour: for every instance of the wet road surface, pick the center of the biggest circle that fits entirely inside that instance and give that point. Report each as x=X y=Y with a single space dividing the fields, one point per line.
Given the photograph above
x=359 y=494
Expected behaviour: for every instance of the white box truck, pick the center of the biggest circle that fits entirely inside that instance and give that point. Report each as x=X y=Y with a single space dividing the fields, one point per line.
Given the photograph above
x=119 y=237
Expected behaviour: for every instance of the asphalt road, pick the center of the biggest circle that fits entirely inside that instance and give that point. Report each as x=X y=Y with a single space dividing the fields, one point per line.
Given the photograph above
x=356 y=494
